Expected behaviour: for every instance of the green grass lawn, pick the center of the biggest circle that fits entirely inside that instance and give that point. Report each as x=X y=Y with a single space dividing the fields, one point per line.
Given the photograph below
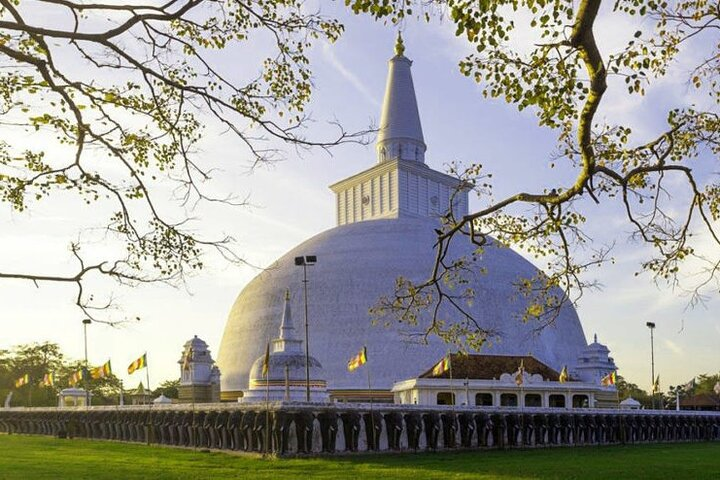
x=29 y=457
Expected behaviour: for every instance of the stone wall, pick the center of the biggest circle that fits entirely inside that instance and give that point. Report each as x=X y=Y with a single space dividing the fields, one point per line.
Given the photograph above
x=300 y=428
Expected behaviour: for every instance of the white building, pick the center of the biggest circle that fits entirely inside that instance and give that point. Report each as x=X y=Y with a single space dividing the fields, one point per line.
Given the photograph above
x=199 y=376
x=386 y=219
x=492 y=381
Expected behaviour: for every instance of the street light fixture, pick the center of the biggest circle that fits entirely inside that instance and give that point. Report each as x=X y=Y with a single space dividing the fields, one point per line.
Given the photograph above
x=651 y=326
x=305 y=261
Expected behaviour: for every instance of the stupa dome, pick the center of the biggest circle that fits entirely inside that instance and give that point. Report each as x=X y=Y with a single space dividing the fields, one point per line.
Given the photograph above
x=359 y=262
x=387 y=216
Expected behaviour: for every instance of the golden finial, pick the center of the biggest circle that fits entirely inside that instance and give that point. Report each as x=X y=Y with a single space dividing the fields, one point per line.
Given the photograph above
x=287 y=294
x=399 y=45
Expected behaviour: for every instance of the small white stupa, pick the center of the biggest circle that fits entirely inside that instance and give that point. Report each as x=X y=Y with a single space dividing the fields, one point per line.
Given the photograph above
x=286 y=378
x=74 y=397
x=199 y=376
x=630 y=404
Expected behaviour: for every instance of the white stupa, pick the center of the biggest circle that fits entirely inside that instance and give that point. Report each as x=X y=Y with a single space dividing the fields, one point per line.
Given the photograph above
x=286 y=378
x=386 y=220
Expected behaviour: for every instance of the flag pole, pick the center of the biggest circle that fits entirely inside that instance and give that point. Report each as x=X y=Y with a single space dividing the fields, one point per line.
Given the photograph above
x=266 y=372
x=372 y=417
x=452 y=387
x=147 y=375
x=287 y=382
x=467 y=391
x=267 y=413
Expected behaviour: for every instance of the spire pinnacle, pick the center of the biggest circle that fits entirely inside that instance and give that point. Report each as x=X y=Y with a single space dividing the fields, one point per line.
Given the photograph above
x=400 y=136
x=399 y=45
x=287 y=341
x=286 y=327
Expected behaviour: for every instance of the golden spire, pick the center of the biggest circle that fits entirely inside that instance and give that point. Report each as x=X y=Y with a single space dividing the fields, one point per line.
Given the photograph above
x=399 y=45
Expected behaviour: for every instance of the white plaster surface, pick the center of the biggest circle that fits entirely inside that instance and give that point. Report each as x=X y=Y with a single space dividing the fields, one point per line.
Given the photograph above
x=356 y=264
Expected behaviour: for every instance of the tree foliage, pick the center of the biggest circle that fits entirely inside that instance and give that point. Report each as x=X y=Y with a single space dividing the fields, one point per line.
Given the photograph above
x=38 y=359
x=705 y=384
x=169 y=388
x=630 y=390
x=545 y=57
x=117 y=97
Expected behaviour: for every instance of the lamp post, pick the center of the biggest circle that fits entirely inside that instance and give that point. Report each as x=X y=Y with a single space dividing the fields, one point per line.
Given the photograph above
x=305 y=261
x=86 y=322
x=651 y=326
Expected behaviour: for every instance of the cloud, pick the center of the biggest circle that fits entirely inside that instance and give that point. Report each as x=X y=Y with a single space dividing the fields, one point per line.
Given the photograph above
x=674 y=347
x=329 y=54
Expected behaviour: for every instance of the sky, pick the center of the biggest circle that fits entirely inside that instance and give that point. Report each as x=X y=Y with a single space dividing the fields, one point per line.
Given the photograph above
x=291 y=202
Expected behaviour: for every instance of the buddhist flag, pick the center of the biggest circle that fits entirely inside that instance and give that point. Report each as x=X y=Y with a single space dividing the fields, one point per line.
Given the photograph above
x=187 y=358
x=519 y=374
x=442 y=366
x=358 y=360
x=24 y=380
x=138 y=364
x=266 y=361
x=48 y=380
x=656 y=385
x=78 y=376
x=564 y=377
x=609 y=379
x=102 y=371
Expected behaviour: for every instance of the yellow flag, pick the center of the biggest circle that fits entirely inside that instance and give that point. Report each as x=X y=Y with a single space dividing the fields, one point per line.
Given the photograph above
x=656 y=385
x=266 y=361
x=442 y=366
x=358 y=360
x=519 y=374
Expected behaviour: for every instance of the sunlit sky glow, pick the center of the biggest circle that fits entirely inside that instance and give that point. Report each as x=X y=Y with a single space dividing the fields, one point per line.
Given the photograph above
x=292 y=202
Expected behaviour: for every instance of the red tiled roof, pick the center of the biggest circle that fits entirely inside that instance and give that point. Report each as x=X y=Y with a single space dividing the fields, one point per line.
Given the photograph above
x=489 y=367
x=702 y=400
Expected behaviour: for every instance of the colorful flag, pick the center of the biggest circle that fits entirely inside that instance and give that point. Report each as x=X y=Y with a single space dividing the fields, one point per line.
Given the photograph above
x=358 y=360
x=564 y=377
x=48 y=380
x=187 y=358
x=656 y=385
x=78 y=376
x=520 y=372
x=442 y=366
x=609 y=379
x=102 y=371
x=266 y=361
x=138 y=364
x=24 y=380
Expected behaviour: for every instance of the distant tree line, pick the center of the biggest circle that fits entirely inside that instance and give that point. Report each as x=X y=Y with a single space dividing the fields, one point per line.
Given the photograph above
x=703 y=385
x=38 y=359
